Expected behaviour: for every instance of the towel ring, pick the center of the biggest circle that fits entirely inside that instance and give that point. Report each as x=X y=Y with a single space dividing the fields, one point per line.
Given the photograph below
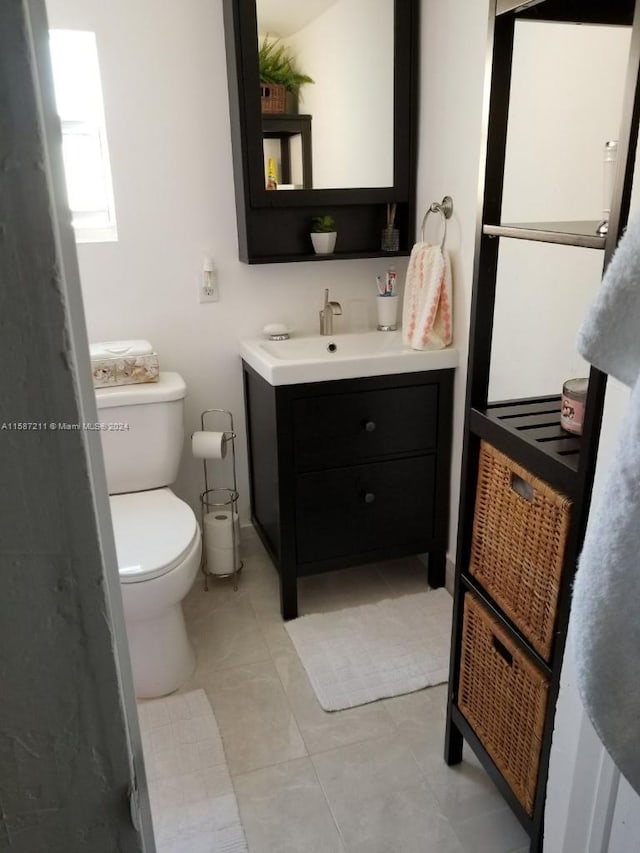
x=445 y=209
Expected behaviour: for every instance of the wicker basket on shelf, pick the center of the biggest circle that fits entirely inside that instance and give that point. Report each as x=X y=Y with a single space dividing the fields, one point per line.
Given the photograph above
x=273 y=98
x=503 y=696
x=520 y=530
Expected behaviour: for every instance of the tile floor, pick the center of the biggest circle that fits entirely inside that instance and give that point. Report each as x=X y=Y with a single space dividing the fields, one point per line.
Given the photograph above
x=365 y=780
x=193 y=801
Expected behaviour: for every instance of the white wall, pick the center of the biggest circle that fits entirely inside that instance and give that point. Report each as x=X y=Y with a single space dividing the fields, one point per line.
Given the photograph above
x=348 y=52
x=165 y=88
x=566 y=102
x=448 y=160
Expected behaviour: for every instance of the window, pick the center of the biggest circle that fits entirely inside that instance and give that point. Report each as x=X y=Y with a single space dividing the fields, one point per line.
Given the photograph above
x=76 y=77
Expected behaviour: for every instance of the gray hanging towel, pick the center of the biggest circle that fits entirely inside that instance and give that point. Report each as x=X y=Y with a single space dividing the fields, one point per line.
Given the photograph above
x=606 y=598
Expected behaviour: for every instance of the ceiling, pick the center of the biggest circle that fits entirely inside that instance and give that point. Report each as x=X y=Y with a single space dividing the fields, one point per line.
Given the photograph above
x=283 y=18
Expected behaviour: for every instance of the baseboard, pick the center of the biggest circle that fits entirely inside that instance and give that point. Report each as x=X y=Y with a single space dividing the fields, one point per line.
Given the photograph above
x=450 y=571
x=247 y=531
x=450 y=577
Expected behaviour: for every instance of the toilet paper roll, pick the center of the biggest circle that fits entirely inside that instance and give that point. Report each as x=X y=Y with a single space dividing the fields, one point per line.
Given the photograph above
x=218 y=528
x=220 y=560
x=209 y=445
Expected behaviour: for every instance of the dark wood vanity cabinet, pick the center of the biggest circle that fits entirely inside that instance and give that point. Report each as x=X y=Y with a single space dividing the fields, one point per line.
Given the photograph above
x=349 y=471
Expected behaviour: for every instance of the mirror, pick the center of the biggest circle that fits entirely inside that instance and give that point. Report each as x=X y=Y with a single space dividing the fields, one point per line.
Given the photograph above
x=351 y=147
x=340 y=133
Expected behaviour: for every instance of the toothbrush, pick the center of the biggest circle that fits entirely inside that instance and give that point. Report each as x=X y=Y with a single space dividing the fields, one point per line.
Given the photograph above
x=391 y=283
x=381 y=288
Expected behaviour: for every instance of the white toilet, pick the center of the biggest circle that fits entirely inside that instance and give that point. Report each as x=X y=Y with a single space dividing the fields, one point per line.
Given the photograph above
x=157 y=536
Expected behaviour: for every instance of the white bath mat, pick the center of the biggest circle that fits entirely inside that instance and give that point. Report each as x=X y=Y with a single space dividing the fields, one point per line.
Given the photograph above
x=371 y=652
x=193 y=805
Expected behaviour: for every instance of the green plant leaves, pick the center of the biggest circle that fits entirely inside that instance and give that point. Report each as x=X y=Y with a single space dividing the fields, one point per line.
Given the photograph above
x=323 y=224
x=277 y=65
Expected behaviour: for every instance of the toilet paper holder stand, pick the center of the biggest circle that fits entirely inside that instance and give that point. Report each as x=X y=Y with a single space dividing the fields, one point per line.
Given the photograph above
x=221 y=498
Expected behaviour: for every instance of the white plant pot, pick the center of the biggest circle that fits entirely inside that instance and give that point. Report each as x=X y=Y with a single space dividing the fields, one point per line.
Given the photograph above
x=324 y=243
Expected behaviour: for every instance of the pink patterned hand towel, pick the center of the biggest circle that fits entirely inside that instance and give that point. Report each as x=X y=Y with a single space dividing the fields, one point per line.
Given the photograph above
x=427 y=308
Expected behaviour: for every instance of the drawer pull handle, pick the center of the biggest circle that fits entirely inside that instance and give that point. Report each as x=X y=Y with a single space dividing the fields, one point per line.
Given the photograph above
x=502 y=650
x=369 y=498
x=522 y=488
x=370 y=426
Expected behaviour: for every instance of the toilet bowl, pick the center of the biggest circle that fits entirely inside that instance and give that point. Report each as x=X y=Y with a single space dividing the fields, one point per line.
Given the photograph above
x=158 y=544
x=157 y=536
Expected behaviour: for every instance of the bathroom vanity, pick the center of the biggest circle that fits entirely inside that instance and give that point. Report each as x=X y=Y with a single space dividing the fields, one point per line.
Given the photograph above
x=351 y=470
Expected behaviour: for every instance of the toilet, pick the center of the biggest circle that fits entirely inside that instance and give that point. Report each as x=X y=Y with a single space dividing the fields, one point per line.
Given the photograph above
x=157 y=536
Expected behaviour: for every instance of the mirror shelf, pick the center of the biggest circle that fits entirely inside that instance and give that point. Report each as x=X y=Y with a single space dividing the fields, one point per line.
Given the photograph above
x=334 y=256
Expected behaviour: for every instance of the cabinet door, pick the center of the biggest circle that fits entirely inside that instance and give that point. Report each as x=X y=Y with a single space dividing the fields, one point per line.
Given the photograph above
x=339 y=429
x=365 y=508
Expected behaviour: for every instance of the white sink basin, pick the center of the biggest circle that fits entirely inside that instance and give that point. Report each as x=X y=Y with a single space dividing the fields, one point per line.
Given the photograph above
x=318 y=358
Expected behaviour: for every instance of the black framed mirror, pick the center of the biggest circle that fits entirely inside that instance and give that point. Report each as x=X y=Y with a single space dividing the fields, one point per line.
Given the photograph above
x=275 y=226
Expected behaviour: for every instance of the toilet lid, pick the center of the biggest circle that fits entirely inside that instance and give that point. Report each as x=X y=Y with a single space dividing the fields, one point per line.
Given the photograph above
x=153 y=531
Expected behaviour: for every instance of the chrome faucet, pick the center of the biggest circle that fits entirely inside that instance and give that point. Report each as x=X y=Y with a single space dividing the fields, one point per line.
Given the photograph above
x=327 y=314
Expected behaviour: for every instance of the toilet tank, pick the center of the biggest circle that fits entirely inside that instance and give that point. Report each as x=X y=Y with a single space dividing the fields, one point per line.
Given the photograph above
x=144 y=433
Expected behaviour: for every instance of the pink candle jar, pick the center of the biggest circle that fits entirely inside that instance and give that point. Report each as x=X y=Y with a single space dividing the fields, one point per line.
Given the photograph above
x=574 y=395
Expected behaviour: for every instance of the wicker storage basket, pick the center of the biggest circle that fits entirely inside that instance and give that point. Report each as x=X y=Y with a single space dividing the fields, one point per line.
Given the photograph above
x=273 y=98
x=520 y=529
x=503 y=696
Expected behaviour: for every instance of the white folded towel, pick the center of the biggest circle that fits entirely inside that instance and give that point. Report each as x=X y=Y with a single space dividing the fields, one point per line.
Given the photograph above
x=606 y=599
x=427 y=309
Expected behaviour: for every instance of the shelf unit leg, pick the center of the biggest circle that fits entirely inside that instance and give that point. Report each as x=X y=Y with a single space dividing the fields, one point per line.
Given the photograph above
x=537 y=840
x=437 y=568
x=453 y=742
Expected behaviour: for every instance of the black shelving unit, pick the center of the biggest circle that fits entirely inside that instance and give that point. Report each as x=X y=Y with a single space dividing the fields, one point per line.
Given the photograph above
x=582 y=234
x=527 y=430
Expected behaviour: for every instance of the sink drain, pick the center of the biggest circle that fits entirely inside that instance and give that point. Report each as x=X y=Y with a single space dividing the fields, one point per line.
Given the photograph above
x=332 y=347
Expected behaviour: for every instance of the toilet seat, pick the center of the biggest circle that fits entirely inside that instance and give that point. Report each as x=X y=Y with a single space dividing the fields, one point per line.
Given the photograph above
x=154 y=531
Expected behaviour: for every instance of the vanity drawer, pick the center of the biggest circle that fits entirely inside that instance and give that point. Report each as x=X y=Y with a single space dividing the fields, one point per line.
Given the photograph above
x=339 y=429
x=365 y=508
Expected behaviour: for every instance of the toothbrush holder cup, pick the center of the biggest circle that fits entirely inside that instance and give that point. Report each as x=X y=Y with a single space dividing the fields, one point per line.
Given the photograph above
x=390 y=239
x=387 y=313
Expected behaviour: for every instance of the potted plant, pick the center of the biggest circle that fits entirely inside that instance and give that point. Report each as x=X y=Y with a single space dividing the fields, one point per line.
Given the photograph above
x=280 y=78
x=323 y=234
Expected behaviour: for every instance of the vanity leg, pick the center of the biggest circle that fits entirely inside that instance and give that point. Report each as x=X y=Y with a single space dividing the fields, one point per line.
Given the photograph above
x=437 y=568
x=288 y=594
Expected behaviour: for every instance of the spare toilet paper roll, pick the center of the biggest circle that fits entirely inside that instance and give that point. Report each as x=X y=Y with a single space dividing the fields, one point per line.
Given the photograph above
x=220 y=560
x=209 y=445
x=218 y=529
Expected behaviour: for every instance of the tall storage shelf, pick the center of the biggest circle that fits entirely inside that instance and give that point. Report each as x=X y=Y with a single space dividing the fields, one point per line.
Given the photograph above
x=497 y=663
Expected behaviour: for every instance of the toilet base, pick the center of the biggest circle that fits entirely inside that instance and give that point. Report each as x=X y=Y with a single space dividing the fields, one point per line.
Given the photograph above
x=162 y=657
